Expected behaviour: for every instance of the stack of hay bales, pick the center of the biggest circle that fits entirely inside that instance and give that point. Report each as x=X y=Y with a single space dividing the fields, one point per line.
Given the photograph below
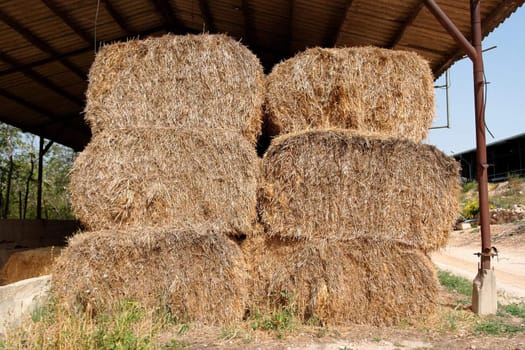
x=174 y=121
x=168 y=179
x=350 y=199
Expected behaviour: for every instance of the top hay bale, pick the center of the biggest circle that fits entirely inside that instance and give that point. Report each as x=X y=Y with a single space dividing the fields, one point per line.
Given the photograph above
x=176 y=81
x=365 y=88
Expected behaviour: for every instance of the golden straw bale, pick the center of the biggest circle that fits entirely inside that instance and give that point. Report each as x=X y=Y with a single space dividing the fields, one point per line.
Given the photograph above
x=176 y=81
x=342 y=185
x=334 y=282
x=197 y=275
x=175 y=177
x=360 y=88
x=29 y=263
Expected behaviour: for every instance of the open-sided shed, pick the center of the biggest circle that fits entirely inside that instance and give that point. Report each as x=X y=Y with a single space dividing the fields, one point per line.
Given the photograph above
x=47 y=46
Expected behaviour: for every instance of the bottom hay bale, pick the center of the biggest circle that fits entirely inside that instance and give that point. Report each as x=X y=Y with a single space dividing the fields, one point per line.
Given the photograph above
x=197 y=276
x=337 y=283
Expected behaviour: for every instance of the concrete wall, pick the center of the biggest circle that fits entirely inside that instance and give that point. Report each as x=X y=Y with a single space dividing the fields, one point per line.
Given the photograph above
x=36 y=233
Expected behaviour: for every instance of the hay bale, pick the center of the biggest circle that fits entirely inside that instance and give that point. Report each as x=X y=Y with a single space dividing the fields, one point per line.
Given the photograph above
x=342 y=185
x=176 y=81
x=338 y=283
x=197 y=275
x=175 y=177
x=28 y=263
x=361 y=88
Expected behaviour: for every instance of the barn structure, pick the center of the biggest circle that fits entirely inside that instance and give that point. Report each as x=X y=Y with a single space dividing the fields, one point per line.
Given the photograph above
x=506 y=158
x=49 y=45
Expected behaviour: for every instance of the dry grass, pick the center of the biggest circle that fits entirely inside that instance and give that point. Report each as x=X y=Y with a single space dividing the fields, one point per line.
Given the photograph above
x=340 y=185
x=361 y=88
x=334 y=282
x=192 y=81
x=175 y=177
x=196 y=275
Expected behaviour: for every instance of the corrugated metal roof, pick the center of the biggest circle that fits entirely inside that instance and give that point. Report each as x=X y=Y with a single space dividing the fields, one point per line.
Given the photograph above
x=47 y=46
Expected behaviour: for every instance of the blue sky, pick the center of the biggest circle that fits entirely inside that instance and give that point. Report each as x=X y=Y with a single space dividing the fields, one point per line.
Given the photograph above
x=505 y=105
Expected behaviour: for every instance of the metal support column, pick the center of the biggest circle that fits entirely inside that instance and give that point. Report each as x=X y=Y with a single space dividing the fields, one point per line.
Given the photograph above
x=481 y=146
x=42 y=150
x=484 y=288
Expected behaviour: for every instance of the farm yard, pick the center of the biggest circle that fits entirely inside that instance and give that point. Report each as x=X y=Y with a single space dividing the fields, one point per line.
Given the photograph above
x=328 y=230
x=225 y=198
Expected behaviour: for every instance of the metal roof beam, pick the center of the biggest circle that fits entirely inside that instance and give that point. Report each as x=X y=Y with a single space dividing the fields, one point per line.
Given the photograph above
x=289 y=31
x=333 y=37
x=71 y=137
x=121 y=22
x=17 y=68
x=67 y=20
x=53 y=119
x=249 y=30
x=65 y=120
x=172 y=23
x=31 y=74
x=408 y=22
x=422 y=48
x=25 y=103
x=206 y=15
x=496 y=16
x=451 y=28
x=39 y=43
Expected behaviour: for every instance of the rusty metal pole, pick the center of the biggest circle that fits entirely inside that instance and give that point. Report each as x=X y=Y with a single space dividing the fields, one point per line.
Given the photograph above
x=451 y=28
x=474 y=52
x=484 y=294
x=481 y=146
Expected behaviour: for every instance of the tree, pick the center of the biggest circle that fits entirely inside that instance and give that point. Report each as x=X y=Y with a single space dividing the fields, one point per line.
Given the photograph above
x=18 y=185
x=8 y=139
x=57 y=165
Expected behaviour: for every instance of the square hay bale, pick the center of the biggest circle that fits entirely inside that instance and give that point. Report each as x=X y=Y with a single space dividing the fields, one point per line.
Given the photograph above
x=176 y=81
x=340 y=283
x=163 y=176
x=197 y=275
x=24 y=264
x=337 y=184
x=360 y=88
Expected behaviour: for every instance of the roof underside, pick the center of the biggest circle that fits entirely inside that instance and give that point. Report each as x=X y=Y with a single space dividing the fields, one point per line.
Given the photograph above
x=47 y=46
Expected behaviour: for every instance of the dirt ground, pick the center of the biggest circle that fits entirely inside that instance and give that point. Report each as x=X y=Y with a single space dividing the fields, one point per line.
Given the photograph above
x=509 y=239
x=440 y=332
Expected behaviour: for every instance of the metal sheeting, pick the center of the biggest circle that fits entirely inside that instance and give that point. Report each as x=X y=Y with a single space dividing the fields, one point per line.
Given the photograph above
x=47 y=46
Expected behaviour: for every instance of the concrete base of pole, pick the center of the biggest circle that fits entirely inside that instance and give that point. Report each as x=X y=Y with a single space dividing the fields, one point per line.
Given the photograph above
x=484 y=296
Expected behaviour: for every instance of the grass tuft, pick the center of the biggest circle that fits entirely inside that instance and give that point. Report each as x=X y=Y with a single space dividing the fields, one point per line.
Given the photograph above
x=54 y=326
x=455 y=283
x=516 y=310
x=494 y=326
